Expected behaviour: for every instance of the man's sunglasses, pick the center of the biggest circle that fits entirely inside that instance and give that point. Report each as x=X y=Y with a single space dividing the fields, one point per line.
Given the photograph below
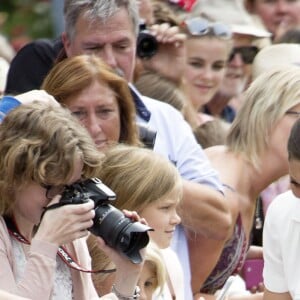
x=247 y=53
x=201 y=27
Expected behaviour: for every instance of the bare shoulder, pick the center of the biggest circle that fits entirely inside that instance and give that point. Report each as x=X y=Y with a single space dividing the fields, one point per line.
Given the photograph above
x=219 y=156
x=215 y=151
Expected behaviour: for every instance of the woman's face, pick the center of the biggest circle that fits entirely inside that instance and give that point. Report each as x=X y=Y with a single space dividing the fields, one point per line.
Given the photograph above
x=162 y=216
x=97 y=109
x=205 y=68
x=281 y=132
x=31 y=199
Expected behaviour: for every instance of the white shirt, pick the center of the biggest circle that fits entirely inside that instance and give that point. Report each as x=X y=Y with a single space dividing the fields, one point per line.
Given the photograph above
x=281 y=245
x=175 y=141
x=180 y=246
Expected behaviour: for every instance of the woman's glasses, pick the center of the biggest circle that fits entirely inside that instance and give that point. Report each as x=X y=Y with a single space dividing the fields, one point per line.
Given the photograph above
x=201 y=27
x=247 y=53
x=53 y=190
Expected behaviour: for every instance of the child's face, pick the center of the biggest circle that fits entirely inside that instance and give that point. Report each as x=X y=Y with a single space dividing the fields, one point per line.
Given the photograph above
x=147 y=281
x=162 y=216
x=294 y=171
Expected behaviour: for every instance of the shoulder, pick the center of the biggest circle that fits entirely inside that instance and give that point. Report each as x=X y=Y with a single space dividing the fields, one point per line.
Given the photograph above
x=3 y=229
x=5 y=242
x=284 y=207
x=284 y=202
x=47 y=47
x=215 y=151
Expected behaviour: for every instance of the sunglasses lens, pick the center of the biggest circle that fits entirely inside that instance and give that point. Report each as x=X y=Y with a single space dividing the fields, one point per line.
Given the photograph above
x=221 y=30
x=197 y=26
x=247 y=53
x=200 y=27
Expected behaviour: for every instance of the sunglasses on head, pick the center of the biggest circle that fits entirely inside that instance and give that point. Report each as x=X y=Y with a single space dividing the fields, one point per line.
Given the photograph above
x=247 y=53
x=201 y=27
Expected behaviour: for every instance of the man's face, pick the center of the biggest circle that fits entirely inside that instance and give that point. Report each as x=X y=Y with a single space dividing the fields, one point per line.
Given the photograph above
x=114 y=41
x=277 y=12
x=238 y=73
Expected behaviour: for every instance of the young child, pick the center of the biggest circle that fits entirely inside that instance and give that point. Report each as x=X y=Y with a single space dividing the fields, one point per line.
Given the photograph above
x=149 y=184
x=281 y=231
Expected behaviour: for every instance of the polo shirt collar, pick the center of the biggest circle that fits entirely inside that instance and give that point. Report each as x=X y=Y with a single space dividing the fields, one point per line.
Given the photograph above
x=140 y=107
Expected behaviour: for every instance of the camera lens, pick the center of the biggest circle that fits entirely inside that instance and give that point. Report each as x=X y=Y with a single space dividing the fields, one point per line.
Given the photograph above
x=147 y=45
x=119 y=232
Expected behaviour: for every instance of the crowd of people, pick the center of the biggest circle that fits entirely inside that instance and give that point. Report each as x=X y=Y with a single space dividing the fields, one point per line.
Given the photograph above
x=141 y=150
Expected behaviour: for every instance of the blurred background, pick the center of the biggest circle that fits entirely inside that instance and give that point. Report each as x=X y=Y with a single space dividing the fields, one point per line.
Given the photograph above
x=24 y=20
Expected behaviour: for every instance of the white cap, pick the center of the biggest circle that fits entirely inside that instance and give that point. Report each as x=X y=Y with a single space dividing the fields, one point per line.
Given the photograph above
x=274 y=56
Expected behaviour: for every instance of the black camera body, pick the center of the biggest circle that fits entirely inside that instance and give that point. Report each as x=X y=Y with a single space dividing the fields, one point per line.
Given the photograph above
x=147 y=44
x=118 y=231
x=147 y=136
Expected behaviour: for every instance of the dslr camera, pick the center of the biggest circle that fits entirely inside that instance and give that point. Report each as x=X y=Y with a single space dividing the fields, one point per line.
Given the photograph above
x=118 y=231
x=147 y=44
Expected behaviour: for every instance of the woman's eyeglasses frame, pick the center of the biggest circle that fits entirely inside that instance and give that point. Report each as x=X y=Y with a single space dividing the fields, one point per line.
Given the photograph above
x=53 y=190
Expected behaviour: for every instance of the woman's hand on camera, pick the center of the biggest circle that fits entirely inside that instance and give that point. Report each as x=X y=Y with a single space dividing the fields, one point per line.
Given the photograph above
x=66 y=223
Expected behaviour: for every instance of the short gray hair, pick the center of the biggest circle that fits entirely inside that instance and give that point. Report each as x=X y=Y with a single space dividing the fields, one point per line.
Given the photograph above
x=97 y=10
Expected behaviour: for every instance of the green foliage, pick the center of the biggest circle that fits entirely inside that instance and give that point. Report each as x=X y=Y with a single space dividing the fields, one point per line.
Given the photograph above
x=30 y=18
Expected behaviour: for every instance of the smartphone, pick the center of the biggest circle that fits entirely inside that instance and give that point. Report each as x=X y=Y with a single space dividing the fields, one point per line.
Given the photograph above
x=252 y=272
x=225 y=289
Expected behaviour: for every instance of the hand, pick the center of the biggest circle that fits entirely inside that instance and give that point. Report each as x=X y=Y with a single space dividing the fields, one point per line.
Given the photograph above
x=169 y=61
x=281 y=29
x=66 y=223
x=258 y=289
x=128 y=273
x=36 y=95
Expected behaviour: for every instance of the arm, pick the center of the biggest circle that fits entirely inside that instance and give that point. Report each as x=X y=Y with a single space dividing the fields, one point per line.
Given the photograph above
x=276 y=296
x=8 y=296
x=208 y=212
x=258 y=296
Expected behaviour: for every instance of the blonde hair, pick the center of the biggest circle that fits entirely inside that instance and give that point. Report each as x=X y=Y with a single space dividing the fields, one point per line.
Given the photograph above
x=138 y=176
x=265 y=102
x=70 y=76
x=154 y=258
x=41 y=143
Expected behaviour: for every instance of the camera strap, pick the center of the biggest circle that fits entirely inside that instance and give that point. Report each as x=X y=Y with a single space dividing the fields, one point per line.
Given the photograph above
x=62 y=251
